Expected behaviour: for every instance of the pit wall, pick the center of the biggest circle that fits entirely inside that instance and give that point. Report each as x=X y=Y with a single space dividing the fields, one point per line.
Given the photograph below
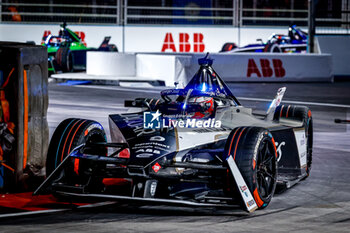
x=248 y=67
x=168 y=39
x=339 y=47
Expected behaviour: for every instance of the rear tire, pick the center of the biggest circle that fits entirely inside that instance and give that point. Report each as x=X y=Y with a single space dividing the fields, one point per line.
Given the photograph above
x=112 y=48
x=272 y=48
x=255 y=154
x=64 y=59
x=300 y=113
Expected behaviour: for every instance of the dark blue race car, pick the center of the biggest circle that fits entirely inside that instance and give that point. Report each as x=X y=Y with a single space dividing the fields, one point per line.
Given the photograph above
x=294 y=42
x=196 y=146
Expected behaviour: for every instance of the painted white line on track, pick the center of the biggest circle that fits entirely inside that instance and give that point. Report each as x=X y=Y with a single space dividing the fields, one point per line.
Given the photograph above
x=29 y=213
x=97 y=204
x=242 y=98
x=84 y=104
x=331 y=148
x=121 y=88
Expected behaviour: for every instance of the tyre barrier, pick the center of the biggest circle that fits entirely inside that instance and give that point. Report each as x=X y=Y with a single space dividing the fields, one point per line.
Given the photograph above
x=24 y=71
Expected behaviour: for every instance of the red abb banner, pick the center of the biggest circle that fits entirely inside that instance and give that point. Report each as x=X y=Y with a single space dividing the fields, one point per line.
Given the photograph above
x=184 y=43
x=266 y=70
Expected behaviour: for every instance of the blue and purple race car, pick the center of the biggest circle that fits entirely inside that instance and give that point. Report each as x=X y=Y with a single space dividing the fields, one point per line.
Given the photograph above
x=294 y=42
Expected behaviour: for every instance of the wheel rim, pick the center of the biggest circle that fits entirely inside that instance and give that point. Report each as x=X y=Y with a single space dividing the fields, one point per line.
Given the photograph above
x=266 y=169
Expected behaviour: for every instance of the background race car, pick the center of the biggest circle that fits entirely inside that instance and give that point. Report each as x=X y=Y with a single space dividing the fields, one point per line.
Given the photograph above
x=294 y=42
x=67 y=51
x=196 y=146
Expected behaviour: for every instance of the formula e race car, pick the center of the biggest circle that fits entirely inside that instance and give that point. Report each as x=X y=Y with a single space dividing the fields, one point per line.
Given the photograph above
x=67 y=51
x=196 y=146
x=294 y=42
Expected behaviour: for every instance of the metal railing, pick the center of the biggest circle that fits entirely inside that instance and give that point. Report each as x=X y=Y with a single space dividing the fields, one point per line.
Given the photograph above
x=128 y=12
x=274 y=16
x=51 y=13
x=179 y=15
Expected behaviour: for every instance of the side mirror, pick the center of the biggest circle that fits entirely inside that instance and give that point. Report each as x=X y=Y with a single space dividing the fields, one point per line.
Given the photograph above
x=260 y=40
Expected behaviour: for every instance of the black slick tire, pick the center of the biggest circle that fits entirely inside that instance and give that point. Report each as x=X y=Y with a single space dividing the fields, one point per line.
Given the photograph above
x=64 y=59
x=253 y=149
x=272 y=48
x=69 y=134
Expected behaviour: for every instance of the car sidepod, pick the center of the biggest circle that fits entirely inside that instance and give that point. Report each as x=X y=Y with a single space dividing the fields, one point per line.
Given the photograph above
x=291 y=150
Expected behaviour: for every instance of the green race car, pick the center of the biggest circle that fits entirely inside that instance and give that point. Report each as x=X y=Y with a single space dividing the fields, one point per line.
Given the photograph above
x=67 y=51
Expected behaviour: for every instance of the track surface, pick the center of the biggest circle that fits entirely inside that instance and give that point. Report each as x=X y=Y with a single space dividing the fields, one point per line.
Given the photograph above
x=319 y=204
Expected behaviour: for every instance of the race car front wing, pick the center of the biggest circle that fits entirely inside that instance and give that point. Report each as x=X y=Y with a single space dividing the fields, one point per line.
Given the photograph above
x=149 y=186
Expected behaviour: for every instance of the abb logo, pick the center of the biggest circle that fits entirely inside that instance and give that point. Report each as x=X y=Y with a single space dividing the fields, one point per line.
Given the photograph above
x=266 y=69
x=184 y=43
x=46 y=33
x=80 y=34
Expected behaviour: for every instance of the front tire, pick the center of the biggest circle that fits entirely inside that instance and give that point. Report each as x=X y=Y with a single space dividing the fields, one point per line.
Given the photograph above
x=255 y=154
x=69 y=134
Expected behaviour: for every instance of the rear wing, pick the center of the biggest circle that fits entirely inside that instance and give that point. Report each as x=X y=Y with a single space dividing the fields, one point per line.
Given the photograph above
x=105 y=42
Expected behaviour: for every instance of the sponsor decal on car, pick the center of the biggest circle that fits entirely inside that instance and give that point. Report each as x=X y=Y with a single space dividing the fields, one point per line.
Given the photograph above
x=156 y=167
x=301 y=145
x=149 y=149
x=279 y=149
x=257 y=147
x=244 y=189
x=250 y=203
x=157 y=139
x=146 y=153
x=153 y=188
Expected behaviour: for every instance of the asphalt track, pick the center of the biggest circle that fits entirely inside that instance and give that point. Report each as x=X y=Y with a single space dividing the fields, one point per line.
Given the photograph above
x=320 y=203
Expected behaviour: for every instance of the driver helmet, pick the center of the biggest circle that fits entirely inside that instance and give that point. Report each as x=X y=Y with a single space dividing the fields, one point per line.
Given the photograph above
x=206 y=104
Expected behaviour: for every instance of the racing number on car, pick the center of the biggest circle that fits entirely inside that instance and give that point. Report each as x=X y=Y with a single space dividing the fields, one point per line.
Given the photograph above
x=266 y=69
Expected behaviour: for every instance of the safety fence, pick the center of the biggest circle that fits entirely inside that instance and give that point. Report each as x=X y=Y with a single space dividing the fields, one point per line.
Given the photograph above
x=74 y=12
x=331 y=16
